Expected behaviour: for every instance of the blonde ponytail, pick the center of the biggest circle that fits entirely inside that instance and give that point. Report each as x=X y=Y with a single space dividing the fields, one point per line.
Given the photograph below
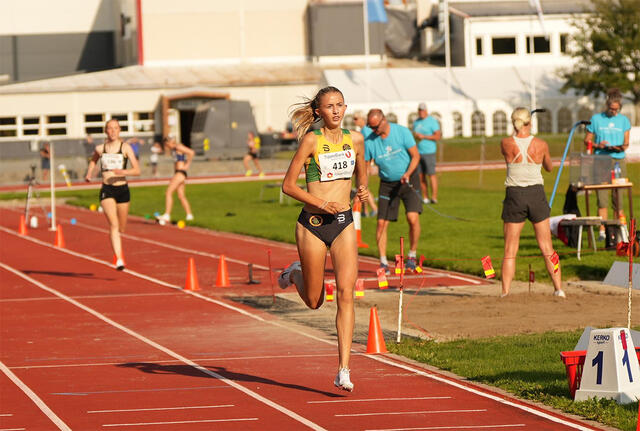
x=520 y=117
x=303 y=114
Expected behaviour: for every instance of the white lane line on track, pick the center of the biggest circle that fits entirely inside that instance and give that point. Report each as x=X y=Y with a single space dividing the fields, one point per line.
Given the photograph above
x=36 y=399
x=127 y=391
x=161 y=409
x=456 y=427
x=12 y=429
x=180 y=422
x=4 y=415
x=155 y=361
x=421 y=412
x=481 y=393
x=378 y=399
x=166 y=350
x=334 y=343
x=116 y=295
x=135 y=274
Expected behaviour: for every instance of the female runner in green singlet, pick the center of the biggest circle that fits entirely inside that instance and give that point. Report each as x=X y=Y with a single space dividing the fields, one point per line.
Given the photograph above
x=330 y=156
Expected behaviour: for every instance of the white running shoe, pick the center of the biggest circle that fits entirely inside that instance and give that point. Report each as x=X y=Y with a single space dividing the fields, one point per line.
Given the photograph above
x=343 y=381
x=284 y=279
x=425 y=201
x=119 y=265
x=189 y=217
x=559 y=293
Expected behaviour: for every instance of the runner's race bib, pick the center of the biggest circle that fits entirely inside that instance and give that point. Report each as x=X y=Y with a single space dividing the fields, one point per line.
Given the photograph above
x=112 y=161
x=338 y=165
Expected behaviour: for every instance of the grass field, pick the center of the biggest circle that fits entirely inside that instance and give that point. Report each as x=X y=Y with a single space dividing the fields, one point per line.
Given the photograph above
x=445 y=242
x=527 y=366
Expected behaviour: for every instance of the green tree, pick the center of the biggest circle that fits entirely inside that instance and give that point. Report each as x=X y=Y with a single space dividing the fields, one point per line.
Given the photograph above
x=607 y=51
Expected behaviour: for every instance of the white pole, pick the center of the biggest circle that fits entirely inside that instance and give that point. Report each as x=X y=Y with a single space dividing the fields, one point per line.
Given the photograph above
x=447 y=50
x=52 y=185
x=534 y=120
x=365 y=22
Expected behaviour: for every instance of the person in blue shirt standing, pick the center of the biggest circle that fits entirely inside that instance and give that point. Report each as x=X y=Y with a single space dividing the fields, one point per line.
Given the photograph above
x=394 y=151
x=608 y=133
x=427 y=130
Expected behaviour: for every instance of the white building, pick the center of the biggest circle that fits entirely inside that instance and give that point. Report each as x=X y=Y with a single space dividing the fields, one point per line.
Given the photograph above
x=148 y=62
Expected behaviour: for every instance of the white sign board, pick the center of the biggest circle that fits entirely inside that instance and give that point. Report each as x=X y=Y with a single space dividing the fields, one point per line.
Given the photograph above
x=611 y=367
x=633 y=152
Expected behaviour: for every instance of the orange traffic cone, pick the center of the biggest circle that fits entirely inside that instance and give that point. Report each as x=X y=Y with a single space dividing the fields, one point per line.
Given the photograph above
x=192 y=276
x=223 y=275
x=375 y=343
x=22 y=229
x=59 y=237
x=357 y=223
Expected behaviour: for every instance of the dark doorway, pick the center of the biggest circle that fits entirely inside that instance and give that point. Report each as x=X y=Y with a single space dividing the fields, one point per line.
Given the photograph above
x=186 y=123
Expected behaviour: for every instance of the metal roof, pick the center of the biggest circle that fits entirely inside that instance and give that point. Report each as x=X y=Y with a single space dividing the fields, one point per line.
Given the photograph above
x=151 y=77
x=503 y=8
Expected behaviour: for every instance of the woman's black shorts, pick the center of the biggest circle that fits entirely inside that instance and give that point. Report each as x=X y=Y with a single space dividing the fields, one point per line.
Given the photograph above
x=327 y=227
x=119 y=193
x=521 y=203
x=182 y=171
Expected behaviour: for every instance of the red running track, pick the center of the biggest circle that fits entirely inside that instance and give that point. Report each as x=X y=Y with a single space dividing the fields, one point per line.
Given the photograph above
x=85 y=347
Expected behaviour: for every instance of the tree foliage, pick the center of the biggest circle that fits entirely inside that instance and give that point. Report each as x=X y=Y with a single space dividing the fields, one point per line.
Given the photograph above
x=607 y=51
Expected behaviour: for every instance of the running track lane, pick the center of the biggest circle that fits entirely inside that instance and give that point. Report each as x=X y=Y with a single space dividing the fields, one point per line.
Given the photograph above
x=146 y=244
x=75 y=372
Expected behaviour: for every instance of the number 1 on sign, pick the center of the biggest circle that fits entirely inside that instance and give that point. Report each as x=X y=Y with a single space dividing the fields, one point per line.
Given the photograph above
x=597 y=362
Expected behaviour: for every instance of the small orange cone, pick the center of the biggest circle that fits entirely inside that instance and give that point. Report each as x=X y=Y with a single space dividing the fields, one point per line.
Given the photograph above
x=59 y=237
x=192 y=276
x=375 y=343
x=223 y=275
x=357 y=222
x=22 y=229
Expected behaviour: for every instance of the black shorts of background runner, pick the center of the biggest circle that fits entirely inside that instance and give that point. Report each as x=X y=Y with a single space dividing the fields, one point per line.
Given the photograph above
x=391 y=193
x=182 y=171
x=119 y=193
x=427 y=164
x=326 y=227
x=521 y=203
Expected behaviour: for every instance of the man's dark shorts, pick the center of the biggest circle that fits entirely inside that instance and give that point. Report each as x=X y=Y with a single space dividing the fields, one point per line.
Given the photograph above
x=119 y=193
x=391 y=193
x=428 y=164
x=521 y=203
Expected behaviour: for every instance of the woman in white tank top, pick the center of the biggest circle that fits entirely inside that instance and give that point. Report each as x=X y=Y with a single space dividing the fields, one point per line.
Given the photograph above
x=525 y=155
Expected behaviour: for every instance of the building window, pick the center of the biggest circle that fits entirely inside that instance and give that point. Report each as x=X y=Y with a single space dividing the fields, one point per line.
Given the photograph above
x=544 y=121
x=564 y=38
x=564 y=120
x=437 y=116
x=478 y=46
x=392 y=118
x=8 y=127
x=477 y=123
x=30 y=126
x=503 y=45
x=56 y=125
x=93 y=124
x=143 y=122
x=457 y=124
x=540 y=45
x=584 y=114
x=499 y=123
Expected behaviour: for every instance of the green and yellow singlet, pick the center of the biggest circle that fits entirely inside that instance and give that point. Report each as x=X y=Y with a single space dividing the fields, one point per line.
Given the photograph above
x=331 y=161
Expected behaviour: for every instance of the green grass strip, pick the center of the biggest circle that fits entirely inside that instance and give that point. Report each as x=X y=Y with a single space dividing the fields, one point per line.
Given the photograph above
x=528 y=366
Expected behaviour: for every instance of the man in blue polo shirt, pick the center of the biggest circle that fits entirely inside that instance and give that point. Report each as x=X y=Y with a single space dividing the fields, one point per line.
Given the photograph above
x=394 y=150
x=427 y=130
x=609 y=135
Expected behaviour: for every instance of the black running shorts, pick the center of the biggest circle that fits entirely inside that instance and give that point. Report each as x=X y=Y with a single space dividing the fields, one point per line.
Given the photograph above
x=521 y=203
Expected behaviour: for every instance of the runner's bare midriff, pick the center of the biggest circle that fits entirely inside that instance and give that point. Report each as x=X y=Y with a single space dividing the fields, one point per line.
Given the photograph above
x=332 y=191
